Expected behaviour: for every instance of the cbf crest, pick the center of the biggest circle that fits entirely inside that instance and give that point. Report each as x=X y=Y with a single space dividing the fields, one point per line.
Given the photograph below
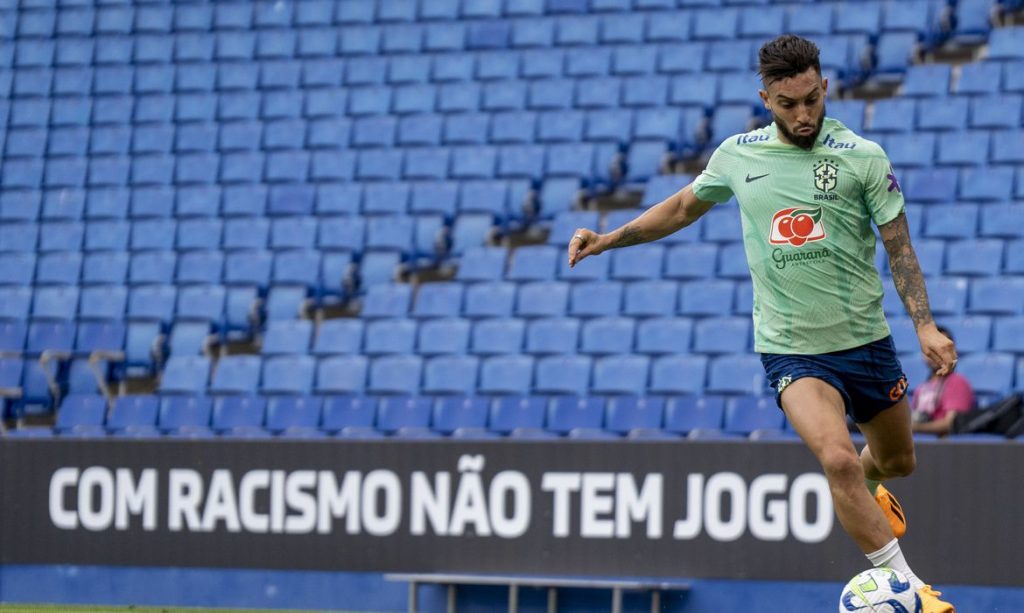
x=826 y=175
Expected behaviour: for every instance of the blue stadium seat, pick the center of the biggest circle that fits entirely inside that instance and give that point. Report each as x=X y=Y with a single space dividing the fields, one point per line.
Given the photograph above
x=81 y=413
x=679 y=374
x=593 y=299
x=568 y=412
x=684 y=414
x=974 y=257
x=489 y=300
x=403 y=411
x=290 y=414
x=506 y=374
x=248 y=267
x=986 y=183
x=55 y=302
x=893 y=52
x=930 y=184
x=133 y=411
x=664 y=335
x=989 y=373
x=927 y=80
x=482 y=264
x=642 y=263
x=1002 y=221
x=236 y=374
x=722 y=335
x=972 y=333
x=542 y=299
x=12 y=336
x=339 y=336
x=184 y=415
x=630 y=414
x=745 y=414
x=284 y=337
x=1008 y=335
x=15 y=302
x=396 y=374
x=608 y=335
x=555 y=335
x=446 y=336
x=533 y=263
x=287 y=374
x=972 y=21
x=736 y=374
x=562 y=375
x=995 y=112
x=238 y=412
x=913 y=149
x=454 y=412
x=621 y=374
x=997 y=296
x=387 y=301
x=390 y=336
x=58 y=268
x=942 y=113
x=103 y=302
x=450 y=374
x=340 y=412
x=963 y=148
x=185 y=375
x=498 y=336
x=712 y=297
x=951 y=221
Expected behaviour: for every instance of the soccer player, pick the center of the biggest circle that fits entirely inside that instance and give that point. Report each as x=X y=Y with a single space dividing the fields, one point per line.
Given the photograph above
x=808 y=190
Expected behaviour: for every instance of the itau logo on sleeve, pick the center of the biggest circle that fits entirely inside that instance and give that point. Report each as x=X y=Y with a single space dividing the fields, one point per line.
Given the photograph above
x=795 y=226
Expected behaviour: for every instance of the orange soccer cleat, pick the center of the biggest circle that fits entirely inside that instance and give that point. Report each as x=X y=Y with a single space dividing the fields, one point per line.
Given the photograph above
x=893 y=511
x=930 y=602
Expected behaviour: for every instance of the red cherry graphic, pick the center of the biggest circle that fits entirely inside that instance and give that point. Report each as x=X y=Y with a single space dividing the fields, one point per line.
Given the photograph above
x=796 y=241
x=803 y=225
x=786 y=227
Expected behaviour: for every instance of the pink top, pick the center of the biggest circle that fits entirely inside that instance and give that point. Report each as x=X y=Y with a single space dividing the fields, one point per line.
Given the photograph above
x=939 y=396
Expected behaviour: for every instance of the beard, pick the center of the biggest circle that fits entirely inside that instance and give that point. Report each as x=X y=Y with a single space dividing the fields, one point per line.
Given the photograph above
x=804 y=142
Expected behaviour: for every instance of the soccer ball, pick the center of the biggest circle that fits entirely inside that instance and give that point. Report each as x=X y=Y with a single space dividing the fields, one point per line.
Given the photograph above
x=880 y=590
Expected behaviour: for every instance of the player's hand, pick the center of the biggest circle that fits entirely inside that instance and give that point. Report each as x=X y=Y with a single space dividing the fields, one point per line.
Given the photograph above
x=582 y=244
x=938 y=348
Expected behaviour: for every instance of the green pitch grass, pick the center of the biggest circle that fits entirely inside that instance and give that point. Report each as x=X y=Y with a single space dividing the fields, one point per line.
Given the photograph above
x=52 y=608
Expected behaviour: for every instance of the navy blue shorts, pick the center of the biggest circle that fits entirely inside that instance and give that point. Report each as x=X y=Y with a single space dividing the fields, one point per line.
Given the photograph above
x=869 y=378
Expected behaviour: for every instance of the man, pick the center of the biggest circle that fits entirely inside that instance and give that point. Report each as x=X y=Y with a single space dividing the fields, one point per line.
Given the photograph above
x=938 y=401
x=808 y=190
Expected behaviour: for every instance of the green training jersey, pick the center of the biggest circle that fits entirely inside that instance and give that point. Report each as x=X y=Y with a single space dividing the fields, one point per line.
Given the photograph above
x=806 y=218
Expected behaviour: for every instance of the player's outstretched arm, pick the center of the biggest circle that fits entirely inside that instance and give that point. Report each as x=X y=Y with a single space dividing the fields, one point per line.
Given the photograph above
x=909 y=282
x=675 y=212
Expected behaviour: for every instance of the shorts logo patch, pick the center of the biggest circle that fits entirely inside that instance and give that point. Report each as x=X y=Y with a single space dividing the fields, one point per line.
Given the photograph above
x=783 y=383
x=898 y=390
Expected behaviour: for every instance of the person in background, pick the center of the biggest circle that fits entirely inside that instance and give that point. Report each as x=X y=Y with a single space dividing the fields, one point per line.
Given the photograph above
x=938 y=400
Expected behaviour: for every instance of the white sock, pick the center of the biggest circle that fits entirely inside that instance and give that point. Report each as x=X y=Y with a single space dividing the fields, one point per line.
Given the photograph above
x=891 y=556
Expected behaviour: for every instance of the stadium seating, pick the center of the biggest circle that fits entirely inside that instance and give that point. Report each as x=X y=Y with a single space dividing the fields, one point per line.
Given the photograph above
x=176 y=179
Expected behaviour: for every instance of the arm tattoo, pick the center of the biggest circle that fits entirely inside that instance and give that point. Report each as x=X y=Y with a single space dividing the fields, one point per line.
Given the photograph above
x=906 y=272
x=629 y=235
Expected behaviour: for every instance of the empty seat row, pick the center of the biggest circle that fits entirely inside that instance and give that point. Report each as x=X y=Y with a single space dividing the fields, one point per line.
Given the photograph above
x=198 y=206
x=64 y=239
x=35 y=45
x=296 y=172
x=408 y=374
x=88 y=415
x=907 y=114
x=503 y=336
x=188 y=140
x=554 y=94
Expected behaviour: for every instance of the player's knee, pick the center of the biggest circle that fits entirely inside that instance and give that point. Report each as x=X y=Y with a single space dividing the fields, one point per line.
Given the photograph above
x=841 y=464
x=898 y=464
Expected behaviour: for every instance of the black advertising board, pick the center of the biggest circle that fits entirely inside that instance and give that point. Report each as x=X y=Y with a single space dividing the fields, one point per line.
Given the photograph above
x=651 y=509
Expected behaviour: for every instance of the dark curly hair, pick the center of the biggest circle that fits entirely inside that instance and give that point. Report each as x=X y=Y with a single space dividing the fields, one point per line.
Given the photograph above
x=787 y=56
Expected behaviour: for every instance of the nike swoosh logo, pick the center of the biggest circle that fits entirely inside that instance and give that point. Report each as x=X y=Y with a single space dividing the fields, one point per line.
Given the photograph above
x=750 y=178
